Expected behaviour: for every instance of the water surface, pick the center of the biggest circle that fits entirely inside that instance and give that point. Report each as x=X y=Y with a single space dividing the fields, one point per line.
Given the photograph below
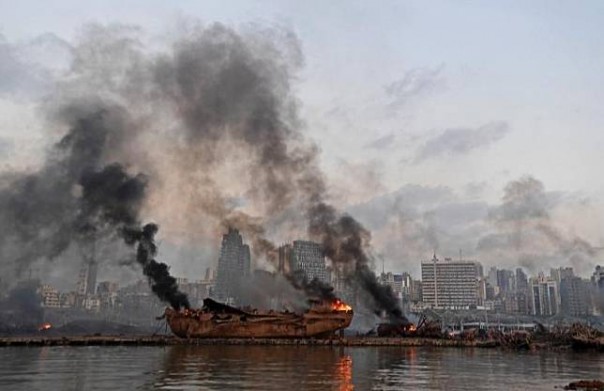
x=289 y=368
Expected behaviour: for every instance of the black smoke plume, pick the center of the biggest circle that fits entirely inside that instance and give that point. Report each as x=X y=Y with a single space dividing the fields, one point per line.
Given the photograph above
x=314 y=289
x=345 y=242
x=227 y=86
x=66 y=201
x=213 y=116
x=79 y=196
x=162 y=283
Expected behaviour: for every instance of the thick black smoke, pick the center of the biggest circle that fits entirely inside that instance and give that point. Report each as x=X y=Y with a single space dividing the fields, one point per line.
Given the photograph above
x=345 y=242
x=225 y=86
x=162 y=283
x=314 y=289
x=79 y=196
x=65 y=202
x=215 y=102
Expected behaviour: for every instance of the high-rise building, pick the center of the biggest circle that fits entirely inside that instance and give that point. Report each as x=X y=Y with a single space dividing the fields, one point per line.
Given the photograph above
x=234 y=265
x=521 y=281
x=598 y=278
x=506 y=281
x=560 y=273
x=574 y=296
x=521 y=292
x=449 y=283
x=86 y=284
x=285 y=253
x=492 y=277
x=309 y=257
x=544 y=295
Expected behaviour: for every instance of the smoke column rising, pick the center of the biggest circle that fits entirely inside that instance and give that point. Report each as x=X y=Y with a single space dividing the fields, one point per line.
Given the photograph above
x=214 y=116
x=162 y=283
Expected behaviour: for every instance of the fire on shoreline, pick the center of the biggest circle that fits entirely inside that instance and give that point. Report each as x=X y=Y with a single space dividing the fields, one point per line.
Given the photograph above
x=44 y=326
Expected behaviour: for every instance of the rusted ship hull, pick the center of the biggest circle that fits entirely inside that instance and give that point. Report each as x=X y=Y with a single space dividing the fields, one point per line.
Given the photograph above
x=228 y=322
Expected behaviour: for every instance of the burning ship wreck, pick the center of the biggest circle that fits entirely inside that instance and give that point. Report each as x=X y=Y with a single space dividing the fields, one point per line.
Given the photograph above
x=217 y=320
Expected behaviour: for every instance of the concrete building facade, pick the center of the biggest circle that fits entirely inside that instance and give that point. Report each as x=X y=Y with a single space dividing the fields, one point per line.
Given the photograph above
x=574 y=296
x=308 y=257
x=544 y=296
x=450 y=284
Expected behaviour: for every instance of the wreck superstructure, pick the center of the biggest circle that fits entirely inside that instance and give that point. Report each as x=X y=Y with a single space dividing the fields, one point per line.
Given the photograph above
x=216 y=320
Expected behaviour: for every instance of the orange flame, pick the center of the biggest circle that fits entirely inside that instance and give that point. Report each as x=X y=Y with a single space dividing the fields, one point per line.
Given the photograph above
x=412 y=327
x=339 y=305
x=45 y=326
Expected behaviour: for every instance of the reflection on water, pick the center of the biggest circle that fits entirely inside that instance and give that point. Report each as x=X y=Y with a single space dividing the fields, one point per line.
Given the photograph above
x=344 y=373
x=289 y=367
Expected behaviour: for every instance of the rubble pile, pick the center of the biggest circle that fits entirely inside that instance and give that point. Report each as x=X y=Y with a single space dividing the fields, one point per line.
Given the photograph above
x=424 y=329
x=577 y=336
x=586 y=385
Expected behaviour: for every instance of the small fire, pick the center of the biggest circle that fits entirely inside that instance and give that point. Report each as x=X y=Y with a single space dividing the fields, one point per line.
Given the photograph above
x=412 y=327
x=45 y=326
x=339 y=305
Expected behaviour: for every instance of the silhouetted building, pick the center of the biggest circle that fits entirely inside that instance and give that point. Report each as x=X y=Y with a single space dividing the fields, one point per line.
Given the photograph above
x=560 y=273
x=234 y=265
x=309 y=257
x=505 y=281
x=574 y=296
x=285 y=253
x=86 y=284
x=598 y=278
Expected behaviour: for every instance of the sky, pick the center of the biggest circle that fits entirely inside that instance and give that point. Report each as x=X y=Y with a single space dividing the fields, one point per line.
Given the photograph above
x=424 y=111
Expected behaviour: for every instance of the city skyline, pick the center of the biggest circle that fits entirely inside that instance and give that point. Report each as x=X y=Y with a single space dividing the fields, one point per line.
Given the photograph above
x=274 y=194
x=418 y=145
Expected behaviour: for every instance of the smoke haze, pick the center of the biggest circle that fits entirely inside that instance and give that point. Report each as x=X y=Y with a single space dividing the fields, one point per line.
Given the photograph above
x=200 y=135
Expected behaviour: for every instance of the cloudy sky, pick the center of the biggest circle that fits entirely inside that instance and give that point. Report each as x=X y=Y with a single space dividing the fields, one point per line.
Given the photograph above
x=424 y=111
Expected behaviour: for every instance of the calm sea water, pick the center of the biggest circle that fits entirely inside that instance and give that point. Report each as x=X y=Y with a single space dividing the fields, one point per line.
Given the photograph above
x=289 y=368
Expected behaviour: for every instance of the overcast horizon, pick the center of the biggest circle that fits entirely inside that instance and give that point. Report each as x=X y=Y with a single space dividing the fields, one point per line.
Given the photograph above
x=441 y=126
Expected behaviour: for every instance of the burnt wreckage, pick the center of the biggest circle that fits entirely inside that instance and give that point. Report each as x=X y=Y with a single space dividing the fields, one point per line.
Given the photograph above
x=217 y=320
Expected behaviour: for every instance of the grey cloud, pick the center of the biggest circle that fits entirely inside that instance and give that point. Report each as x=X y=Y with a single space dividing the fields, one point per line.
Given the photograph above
x=458 y=141
x=475 y=189
x=416 y=82
x=383 y=142
x=409 y=200
x=6 y=147
x=523 y=230
x=415 y=220
x=21 y=69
